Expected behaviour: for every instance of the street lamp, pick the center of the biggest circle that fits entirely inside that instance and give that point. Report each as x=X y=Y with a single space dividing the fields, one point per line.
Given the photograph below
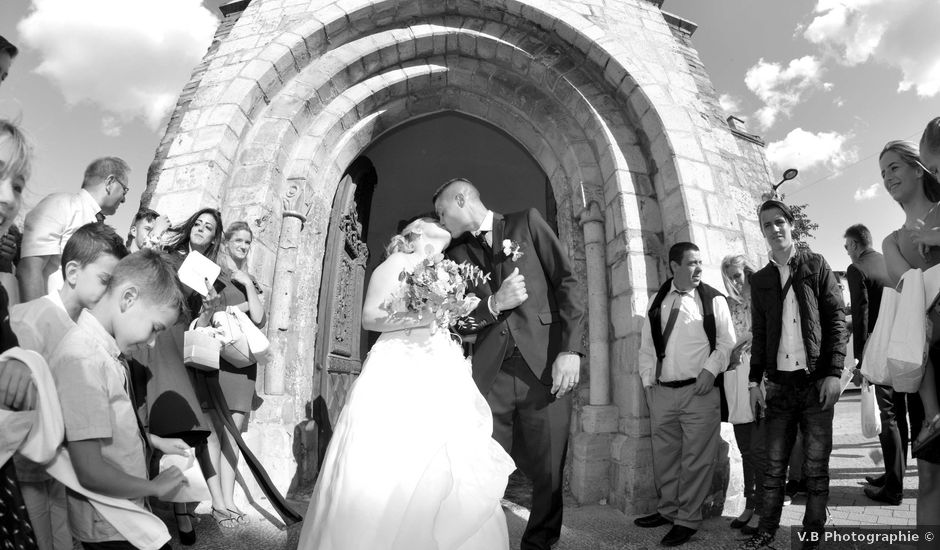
x=788 y=175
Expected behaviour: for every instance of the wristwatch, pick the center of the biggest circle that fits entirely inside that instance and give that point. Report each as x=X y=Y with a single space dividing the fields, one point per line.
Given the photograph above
x=751 y=385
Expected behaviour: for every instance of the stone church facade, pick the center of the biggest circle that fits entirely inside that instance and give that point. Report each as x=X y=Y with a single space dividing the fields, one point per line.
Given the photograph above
x=609 y=98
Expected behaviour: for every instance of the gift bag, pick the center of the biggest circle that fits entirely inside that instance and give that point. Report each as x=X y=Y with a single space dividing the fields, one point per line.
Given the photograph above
x=907 y=349
x=737 y=392
x=875 y=354
x=235 y=345
x=201 y=348
x=195 y=488
x=257 y=342
x=871 y=418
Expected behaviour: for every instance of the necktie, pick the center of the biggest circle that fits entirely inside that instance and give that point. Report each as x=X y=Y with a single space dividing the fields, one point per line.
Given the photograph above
x=670 y=324
x=481 y=238
x=129 y=386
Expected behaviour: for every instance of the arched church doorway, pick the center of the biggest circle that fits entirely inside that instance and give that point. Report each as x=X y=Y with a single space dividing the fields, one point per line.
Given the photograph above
x=390 y=183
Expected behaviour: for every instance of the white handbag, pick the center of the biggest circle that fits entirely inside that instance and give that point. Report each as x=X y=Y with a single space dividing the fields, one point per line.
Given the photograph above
x=201 y=348
x=907 y=350
x=875 y=354
x=871 y=418
x=235 y=349
x=737 y=393
x=258 y=343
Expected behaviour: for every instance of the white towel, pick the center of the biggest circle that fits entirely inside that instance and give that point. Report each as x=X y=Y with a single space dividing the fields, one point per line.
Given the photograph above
x=38 y=435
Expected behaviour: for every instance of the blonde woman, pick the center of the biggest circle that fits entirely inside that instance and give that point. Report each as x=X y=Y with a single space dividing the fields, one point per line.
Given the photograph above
x=748 y=429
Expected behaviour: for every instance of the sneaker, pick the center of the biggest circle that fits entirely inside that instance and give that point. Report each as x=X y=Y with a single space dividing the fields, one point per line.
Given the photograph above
x=758 y=541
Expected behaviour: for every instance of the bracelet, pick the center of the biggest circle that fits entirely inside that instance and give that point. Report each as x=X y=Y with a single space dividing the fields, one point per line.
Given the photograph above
x=752 y=385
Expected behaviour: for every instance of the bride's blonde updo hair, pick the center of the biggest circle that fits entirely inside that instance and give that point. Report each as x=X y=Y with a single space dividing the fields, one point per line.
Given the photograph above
x=406 y=241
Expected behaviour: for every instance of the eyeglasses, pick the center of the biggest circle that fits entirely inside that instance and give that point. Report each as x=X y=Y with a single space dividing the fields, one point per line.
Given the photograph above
x=121 y=183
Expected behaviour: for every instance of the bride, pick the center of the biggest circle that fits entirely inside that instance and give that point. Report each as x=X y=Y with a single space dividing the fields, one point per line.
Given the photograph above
x=412 y=464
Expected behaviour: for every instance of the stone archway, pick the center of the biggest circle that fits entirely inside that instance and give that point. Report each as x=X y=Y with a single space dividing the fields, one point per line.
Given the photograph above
x=636 y=154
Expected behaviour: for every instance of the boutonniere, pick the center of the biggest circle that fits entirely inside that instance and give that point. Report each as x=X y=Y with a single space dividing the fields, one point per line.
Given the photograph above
x=512 y=249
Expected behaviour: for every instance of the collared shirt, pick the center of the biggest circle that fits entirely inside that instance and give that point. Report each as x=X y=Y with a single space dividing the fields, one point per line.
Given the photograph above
x=39 y=326
x=50 y=224
x=92 y=384
x=486 y=225
x=791 y=354
x=688 y=350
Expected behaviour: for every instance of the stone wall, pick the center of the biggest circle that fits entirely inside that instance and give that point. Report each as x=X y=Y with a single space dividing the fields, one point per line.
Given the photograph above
x=608 y=97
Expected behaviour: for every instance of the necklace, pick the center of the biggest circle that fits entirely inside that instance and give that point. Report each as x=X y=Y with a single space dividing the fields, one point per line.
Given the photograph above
x=923 y=219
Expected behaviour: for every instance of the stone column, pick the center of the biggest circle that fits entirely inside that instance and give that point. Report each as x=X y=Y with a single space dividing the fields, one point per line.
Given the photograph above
x=590 y=475
x=282 y=288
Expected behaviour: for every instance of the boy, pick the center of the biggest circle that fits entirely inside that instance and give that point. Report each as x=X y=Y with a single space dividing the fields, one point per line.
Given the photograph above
x=102 y=432
x=88 y=259
x=141 y=228
x=799 y=343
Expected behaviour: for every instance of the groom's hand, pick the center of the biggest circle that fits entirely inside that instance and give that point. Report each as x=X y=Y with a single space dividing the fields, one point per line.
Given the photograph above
x=512 y=292
x=566 y=371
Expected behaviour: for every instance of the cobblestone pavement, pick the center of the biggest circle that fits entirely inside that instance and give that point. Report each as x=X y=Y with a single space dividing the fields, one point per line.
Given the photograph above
x=604 y=528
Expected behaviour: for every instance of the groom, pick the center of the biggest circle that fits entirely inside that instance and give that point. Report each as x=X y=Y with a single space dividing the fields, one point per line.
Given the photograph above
x=529 y=325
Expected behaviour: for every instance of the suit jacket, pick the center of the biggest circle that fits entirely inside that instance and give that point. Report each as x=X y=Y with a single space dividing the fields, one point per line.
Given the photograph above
x=550 y=321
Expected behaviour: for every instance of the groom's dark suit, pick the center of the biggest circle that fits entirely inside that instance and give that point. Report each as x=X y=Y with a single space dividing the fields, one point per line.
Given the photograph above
x=514 y=353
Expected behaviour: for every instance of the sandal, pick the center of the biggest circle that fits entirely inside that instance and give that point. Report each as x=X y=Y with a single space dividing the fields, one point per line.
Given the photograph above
x=224 y=518
x=240 y=517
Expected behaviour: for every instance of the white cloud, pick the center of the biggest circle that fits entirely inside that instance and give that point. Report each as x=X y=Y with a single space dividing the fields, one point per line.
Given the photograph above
x=782 y=88
x=867 y=193
x=802 y=150
x=729 y=104
x=898 y=33
x=110 y=126
x=129 y=57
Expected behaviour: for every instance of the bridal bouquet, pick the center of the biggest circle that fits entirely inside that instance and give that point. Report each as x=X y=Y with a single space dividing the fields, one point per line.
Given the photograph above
x=436 y=290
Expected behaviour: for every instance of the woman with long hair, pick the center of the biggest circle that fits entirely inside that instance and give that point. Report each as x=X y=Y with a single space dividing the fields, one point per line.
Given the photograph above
x=237 y=384
x=916 y=245
x=749 y=430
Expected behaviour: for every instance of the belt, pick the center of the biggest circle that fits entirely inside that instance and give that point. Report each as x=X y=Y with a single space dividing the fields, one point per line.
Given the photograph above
x=677 y=383
x=789 y=378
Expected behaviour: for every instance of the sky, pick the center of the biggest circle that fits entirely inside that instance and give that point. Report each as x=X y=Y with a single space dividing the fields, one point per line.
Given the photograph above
x=825 y=83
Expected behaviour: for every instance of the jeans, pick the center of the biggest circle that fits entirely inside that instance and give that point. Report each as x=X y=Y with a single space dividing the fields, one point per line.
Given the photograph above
x=751 y=439
x=789 y=407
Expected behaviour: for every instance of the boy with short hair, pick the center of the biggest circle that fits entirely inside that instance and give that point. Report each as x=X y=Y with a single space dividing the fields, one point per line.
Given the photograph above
x=88 y=259
x=103 y=435
x=140 y=229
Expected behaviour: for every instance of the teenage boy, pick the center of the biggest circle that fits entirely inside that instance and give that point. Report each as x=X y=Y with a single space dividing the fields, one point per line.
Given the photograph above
x=799 y=342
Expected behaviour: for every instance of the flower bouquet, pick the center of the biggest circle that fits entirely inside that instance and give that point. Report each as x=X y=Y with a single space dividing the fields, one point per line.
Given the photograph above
x=436 y=291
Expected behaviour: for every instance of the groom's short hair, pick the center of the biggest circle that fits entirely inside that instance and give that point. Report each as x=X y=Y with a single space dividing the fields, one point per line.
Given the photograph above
x=466 y=186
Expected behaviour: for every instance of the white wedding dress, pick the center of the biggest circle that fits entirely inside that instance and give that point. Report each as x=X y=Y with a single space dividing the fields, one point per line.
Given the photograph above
x=412 y=464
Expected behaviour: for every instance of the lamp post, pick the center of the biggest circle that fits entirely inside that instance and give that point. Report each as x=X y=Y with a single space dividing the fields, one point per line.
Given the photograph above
x=788 y=175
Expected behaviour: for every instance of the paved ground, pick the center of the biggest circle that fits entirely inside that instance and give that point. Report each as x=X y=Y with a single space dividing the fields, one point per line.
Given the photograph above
x=603 y=528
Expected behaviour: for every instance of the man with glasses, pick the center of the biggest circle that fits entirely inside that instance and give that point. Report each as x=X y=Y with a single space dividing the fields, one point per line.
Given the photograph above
x=49 y=225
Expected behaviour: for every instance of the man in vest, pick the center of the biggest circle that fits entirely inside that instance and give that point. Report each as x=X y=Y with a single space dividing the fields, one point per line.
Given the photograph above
x=686 y=342
x=798 y=342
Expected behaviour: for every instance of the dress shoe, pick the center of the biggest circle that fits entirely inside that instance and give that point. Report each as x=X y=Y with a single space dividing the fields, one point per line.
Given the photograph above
x=876 y=481
x=652 y=520
x=881 y=496
x=678 y=535
x=738 y=523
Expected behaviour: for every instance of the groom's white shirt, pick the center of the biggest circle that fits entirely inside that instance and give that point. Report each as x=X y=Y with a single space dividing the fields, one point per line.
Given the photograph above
x=486 y=225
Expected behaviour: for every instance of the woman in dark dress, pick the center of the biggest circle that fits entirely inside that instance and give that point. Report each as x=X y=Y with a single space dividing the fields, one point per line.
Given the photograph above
x=237 y=384
x=16 y=532
x=916 y=245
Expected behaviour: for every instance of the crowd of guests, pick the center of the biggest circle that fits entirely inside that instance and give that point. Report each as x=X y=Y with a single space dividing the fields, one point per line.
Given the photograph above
x=770 y=358
x=105 y=316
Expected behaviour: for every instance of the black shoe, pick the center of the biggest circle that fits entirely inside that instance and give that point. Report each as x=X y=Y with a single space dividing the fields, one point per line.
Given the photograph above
x=795 y=487
x=876 y=481
x=758 y=541
x=652 y=520
x=187 y=538
x=678 y=535
x=749 y=531
x=881 y=496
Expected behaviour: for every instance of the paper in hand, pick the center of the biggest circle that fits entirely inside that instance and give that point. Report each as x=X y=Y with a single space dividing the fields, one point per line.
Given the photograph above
x=195 y=488
x=198 y=271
